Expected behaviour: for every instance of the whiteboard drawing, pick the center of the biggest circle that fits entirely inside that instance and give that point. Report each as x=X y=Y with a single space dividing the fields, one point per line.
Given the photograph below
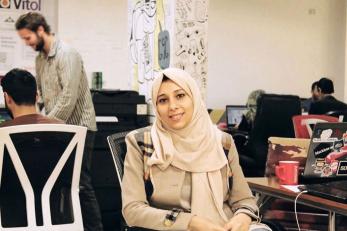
x=185 y=46
x=142 y=42
x=190 y=46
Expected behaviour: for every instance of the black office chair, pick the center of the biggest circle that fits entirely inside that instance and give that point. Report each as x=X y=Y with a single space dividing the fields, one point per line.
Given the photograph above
x=40 y=172
x=118 y=150
x=273 y=118
x=342 y=115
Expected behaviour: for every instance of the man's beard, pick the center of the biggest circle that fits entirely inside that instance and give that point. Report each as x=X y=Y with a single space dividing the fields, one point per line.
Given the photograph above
x=40 y=43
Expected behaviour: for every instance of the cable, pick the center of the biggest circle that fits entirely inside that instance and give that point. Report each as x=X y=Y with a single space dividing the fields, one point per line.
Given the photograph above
x=295 y=202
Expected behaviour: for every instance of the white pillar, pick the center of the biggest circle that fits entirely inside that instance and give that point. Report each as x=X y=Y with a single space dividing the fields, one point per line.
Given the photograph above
x=345 y=82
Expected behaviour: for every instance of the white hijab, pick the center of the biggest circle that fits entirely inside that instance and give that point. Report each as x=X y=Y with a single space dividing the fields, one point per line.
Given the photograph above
x=195 y=148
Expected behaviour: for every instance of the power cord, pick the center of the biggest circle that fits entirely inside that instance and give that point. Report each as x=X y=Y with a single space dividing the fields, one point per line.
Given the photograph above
x=295 y=202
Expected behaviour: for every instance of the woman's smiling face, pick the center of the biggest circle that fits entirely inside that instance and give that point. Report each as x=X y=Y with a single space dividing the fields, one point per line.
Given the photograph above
x=174 y=105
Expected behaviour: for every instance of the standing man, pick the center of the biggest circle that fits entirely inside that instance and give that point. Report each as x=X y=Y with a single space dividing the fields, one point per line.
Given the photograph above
x=64 y=91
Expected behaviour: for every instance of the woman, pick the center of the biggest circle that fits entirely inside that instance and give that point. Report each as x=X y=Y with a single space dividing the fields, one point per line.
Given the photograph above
x=187 y=169
x=247 y=121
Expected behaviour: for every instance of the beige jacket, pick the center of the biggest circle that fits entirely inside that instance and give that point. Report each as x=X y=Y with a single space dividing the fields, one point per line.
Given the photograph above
x=168 y=187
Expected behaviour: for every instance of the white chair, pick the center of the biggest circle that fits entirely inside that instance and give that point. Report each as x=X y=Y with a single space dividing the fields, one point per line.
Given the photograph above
x=302 y=124
x=45 y=160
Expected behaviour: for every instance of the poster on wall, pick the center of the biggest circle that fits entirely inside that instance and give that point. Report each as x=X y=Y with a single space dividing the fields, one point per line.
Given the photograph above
x=166 y=33
x=190 y=39
x=147 y=18
x=13 y=51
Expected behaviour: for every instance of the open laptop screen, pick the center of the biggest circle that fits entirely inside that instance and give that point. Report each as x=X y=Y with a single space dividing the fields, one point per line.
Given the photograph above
x=234 y=114
x=4 y=116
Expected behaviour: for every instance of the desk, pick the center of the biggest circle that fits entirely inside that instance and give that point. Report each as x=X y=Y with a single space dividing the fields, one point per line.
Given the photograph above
x=270 y=187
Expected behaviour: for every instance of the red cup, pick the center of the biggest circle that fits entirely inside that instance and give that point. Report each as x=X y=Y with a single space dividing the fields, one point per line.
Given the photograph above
x=288 y=172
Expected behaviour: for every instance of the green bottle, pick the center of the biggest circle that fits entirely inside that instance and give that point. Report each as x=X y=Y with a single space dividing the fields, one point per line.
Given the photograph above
x=97 y=80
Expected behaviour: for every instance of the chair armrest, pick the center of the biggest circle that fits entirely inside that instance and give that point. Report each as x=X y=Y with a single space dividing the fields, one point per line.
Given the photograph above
x=240 y=134
x=241 y=140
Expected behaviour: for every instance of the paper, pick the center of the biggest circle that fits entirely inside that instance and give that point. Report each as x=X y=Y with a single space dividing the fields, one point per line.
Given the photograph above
x=141 y=109
x=106 y=119
x=293 y=188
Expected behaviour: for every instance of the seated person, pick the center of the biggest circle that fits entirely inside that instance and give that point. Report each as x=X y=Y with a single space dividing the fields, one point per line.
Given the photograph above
x=20 y=93
x=306 y=104
x=188 y=169
x=326 y=102
x=248 y=116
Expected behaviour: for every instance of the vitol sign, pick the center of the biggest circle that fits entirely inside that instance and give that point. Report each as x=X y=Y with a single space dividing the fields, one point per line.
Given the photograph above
x=31 y=5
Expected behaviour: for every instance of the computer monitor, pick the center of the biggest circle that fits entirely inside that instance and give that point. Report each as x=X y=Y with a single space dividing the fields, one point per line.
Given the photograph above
x=305 y=104
x=234 y=114
x=4 y=116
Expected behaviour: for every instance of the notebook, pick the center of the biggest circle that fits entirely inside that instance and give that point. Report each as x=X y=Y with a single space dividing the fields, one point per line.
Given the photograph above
x=234 y=114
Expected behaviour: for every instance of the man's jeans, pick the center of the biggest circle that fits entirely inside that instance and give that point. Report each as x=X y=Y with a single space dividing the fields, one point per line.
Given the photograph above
x=89 y=205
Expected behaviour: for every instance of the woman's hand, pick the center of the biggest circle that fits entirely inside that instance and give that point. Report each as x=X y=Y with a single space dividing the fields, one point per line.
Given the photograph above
x=239 y=222
x=202 y=224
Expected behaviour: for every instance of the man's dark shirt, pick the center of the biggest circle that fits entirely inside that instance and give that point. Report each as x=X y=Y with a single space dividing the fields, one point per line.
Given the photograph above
x=327 y=104
x=306 y=104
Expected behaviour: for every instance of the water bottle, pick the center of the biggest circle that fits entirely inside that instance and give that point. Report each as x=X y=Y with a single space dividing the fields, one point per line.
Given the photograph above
x=97 y=80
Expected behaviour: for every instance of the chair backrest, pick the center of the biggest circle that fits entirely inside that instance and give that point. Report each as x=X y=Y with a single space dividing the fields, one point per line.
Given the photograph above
x=40 y=170
x=118 y=149
x=302 y=124
x=273 y=118
x=341 y=115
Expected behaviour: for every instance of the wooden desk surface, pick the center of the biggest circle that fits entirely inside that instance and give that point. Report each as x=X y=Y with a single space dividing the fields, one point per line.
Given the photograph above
x=271 y=187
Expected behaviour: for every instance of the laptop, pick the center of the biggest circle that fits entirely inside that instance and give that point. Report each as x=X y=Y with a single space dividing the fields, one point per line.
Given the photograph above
x=327 y=162
x=4 y=116
x=327 y=153
x=335 y=190
x=234 y=114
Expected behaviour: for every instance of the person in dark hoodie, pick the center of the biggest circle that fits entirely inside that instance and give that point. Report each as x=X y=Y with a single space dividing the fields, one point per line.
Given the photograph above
x=326 y=102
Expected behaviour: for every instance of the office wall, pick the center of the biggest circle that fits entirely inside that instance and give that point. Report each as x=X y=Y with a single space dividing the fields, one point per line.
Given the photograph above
x=278 y=45
x=98 y=29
